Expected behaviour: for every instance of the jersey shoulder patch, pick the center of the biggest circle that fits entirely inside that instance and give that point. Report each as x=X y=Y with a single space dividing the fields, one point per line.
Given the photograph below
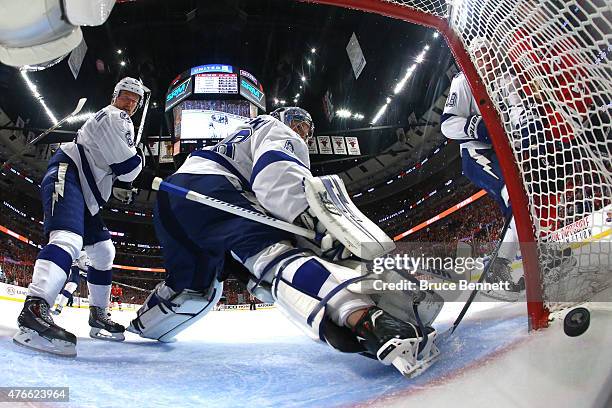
x=119 y=114
x=451 y=101
x=289 y=146
x=122 y=123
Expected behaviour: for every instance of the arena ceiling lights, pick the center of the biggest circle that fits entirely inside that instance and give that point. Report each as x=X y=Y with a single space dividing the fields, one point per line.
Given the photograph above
x=38 y=96
x=400 y=85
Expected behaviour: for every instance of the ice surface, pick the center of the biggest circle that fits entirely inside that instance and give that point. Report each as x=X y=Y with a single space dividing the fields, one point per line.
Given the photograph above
x=259 y=359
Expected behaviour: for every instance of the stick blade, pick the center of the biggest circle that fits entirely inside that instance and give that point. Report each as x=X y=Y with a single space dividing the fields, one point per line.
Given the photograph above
x=79 y=106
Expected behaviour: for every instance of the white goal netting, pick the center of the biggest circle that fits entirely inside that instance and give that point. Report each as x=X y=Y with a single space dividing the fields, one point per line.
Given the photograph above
x=546 y=68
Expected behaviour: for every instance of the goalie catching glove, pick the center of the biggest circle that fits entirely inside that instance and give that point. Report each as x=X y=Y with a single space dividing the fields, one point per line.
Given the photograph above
x=332 y=213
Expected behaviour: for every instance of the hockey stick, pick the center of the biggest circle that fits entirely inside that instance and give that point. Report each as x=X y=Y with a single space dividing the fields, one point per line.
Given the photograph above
x=76 y=110
x=38 y=138
x=160 y=185
x=144 y=115
x=484 y=274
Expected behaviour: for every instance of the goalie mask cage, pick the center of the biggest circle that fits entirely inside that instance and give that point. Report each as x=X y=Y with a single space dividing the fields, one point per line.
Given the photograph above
x=540 y=72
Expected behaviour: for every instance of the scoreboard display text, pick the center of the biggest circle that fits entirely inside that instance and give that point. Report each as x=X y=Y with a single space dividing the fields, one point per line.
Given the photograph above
x=216 y=83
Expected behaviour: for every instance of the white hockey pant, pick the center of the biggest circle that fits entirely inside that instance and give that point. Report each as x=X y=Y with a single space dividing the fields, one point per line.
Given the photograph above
x=52 y=266
x=99 y=274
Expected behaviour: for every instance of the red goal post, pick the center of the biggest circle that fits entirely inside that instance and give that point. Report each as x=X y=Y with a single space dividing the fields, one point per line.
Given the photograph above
x=558 y=124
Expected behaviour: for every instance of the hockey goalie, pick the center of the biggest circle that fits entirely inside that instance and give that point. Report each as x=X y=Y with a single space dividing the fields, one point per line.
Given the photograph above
x=264 y=167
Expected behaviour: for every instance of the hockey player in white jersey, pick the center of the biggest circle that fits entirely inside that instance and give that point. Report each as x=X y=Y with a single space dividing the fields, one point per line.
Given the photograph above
x=78 y=269
x=263 y=166
x=462 y=121
x=80 y=178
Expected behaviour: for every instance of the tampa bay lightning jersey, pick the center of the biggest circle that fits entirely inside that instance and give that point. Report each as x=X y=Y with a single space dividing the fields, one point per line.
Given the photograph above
x=461 y=119
x=104 y=151
x=266 y=157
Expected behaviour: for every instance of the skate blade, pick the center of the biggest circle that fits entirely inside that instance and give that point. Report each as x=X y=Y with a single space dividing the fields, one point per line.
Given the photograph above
x=102 y=334
x=33 y=341
x=411 y=370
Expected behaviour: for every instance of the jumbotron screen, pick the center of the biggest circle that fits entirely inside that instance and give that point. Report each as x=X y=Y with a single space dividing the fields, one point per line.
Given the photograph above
x=208 y=124
x=209 y=119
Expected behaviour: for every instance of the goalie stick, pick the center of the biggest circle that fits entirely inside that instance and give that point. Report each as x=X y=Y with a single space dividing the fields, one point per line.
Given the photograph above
x=160 y=185
x=38 y=138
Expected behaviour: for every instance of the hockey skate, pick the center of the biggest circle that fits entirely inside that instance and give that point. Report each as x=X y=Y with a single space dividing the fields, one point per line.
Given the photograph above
x=559 y=263
x=102 y=327
x=501 y=272
x=396 y=342
x=37 y=330
x=57 y=310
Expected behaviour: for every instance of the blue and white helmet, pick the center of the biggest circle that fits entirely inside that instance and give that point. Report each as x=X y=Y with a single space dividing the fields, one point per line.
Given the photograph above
x=289 y=114
x=132 y=85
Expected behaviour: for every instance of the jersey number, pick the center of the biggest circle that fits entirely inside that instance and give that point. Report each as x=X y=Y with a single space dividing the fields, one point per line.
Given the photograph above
x=227 y=146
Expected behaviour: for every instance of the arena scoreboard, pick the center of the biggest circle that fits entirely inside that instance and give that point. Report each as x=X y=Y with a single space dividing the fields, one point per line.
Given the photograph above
x=205 y=103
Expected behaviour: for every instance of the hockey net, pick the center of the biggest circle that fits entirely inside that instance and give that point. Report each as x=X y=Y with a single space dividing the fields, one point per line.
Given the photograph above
x=541 y=75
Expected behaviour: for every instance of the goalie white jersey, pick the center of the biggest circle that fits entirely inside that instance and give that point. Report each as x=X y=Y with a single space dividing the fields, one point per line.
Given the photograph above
x=266 y=157
x=104 y=151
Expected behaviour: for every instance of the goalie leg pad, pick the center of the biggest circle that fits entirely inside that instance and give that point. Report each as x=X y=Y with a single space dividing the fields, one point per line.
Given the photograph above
x=307 y=291
x=167 y=313
x=331 y=204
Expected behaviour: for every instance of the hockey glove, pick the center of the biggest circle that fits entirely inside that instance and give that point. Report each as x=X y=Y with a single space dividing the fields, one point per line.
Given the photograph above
x=308 y=220
x=531 y=129
x=476 y=129
x=329 y=247
x=124 y=192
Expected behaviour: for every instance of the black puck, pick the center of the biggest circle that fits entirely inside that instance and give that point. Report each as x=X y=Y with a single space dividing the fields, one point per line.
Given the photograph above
x=576 y=322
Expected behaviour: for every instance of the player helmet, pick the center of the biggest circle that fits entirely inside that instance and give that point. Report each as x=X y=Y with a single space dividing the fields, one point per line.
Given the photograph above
x=290 y=114
x=132 y=85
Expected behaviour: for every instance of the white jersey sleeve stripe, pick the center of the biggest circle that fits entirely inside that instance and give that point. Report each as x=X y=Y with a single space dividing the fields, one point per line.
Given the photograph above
x=126 y=166
x=270 y=157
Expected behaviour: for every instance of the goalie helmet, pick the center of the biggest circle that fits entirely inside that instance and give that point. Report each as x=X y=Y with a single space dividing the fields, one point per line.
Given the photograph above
x=293 y=113
x=132 y=85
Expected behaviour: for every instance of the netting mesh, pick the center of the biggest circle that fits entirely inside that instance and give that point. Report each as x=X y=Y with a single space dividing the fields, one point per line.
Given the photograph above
x=437 y=8
x=546 y=67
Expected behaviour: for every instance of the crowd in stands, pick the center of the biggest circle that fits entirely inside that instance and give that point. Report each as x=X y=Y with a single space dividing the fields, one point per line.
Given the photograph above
x=479 y=224
x=16 y=260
